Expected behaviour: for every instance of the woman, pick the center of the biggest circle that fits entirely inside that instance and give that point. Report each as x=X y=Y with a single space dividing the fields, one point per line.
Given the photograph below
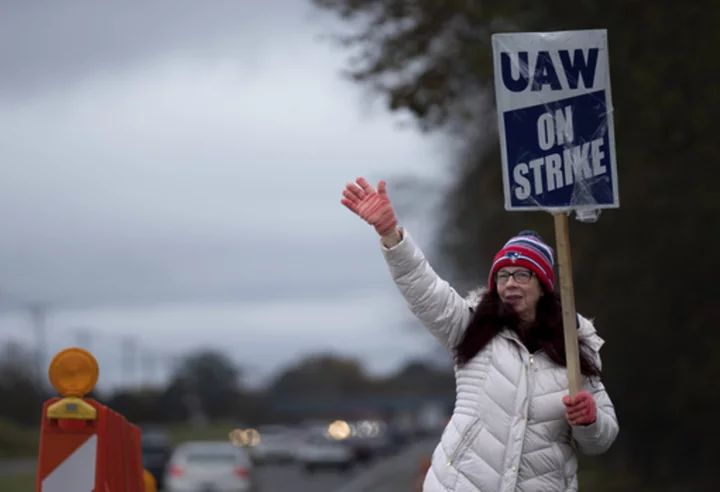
x=513 y=424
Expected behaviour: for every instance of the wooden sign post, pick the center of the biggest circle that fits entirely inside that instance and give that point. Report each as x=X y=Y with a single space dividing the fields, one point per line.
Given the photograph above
x=557 y=140
x=567 y=298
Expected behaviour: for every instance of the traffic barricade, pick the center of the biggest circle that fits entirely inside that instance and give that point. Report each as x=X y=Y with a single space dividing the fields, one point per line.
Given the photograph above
x=84 y=445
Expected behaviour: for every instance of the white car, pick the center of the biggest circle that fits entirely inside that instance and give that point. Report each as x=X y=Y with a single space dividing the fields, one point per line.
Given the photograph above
x=209 y=466
x=320 y=452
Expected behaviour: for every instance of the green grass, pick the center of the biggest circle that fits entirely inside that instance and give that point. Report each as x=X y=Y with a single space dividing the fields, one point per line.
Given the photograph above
x=17 y=442
x=23 y=482
x=213 y=431
x=598 y=480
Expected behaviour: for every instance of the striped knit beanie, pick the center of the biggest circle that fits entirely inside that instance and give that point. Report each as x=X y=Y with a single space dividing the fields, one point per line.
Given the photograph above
x=527 y=250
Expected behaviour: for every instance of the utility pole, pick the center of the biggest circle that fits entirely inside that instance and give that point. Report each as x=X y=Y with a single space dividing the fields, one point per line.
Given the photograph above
x=38 y=317
x=148 y=367
x=172 y=363
x=83 y=338
x=129 y=358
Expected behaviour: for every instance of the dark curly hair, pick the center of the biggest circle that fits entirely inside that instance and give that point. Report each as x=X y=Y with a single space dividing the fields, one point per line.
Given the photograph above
x=491 y=316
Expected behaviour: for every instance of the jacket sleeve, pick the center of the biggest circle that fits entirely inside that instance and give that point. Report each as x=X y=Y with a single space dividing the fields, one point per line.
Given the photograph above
x=438 y=306
x=597 y=437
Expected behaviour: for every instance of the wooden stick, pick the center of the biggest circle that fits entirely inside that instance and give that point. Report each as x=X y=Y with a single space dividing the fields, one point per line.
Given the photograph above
x=567 y=297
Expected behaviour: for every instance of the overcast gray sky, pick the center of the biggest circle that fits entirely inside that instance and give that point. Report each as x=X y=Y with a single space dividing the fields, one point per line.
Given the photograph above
x=194 y=153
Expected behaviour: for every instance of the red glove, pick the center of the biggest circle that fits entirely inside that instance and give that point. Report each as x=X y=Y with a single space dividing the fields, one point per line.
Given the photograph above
x=581 y=409
x=372 y=206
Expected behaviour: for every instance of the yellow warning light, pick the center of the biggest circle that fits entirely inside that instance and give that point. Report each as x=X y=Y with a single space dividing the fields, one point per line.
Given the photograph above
x=73 y=373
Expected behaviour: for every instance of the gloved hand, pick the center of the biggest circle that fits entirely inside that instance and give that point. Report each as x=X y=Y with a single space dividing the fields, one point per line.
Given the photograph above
x=372 y=206
x=580 y=409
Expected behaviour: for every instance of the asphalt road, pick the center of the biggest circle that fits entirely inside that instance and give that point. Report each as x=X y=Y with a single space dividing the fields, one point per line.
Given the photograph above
x=384 y=474
x=291 y=477
x=396 y=473
x=270 y=478
x=399 y=473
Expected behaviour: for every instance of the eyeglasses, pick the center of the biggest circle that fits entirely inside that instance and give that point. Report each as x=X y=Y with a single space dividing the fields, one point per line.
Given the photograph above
x=520 y=276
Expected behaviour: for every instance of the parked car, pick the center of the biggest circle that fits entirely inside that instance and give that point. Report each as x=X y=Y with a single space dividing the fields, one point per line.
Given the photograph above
x=156 y=452
x=210 y=466
x=320 y=452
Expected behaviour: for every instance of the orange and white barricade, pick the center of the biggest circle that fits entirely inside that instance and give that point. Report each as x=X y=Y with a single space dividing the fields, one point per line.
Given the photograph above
x=84 y=445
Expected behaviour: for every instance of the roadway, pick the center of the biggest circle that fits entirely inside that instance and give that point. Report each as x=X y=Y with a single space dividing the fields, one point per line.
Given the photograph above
x=290 y=477
x=270 y=478
x=396 y=473
x=393 y=473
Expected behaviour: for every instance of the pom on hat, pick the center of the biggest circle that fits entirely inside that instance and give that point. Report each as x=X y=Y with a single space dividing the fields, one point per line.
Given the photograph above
x=527 y=250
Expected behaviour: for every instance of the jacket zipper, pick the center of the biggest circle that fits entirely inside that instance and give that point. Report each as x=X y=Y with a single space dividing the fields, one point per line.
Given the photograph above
x=469 y=435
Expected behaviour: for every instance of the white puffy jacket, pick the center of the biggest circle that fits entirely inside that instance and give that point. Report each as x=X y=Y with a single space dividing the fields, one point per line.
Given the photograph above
x=508 y=430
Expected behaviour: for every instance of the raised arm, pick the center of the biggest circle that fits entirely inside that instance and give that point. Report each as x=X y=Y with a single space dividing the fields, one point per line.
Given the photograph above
x=442 y=310
x=431 y=299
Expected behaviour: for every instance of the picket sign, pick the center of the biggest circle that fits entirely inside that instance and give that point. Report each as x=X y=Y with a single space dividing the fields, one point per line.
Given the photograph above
x=84 y=445
x=557 y=140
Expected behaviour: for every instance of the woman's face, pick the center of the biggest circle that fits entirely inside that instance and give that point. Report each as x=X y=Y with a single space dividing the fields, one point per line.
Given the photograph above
x=520 y=289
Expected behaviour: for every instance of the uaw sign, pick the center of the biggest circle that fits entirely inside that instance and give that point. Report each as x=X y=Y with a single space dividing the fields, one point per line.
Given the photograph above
x=555 y=119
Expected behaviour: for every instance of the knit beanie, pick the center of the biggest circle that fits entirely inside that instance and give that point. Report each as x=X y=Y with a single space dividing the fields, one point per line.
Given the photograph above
x=527 y=250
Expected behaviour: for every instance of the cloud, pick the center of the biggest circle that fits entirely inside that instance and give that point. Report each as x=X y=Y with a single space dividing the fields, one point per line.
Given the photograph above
x=177 y=153
x=188 y=166
x=47 y=44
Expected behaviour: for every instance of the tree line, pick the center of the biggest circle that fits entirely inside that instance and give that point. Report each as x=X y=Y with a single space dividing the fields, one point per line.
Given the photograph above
x=207 y=384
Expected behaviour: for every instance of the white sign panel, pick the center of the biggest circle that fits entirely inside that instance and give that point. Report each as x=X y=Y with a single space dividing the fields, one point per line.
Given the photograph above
x=555 y=120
